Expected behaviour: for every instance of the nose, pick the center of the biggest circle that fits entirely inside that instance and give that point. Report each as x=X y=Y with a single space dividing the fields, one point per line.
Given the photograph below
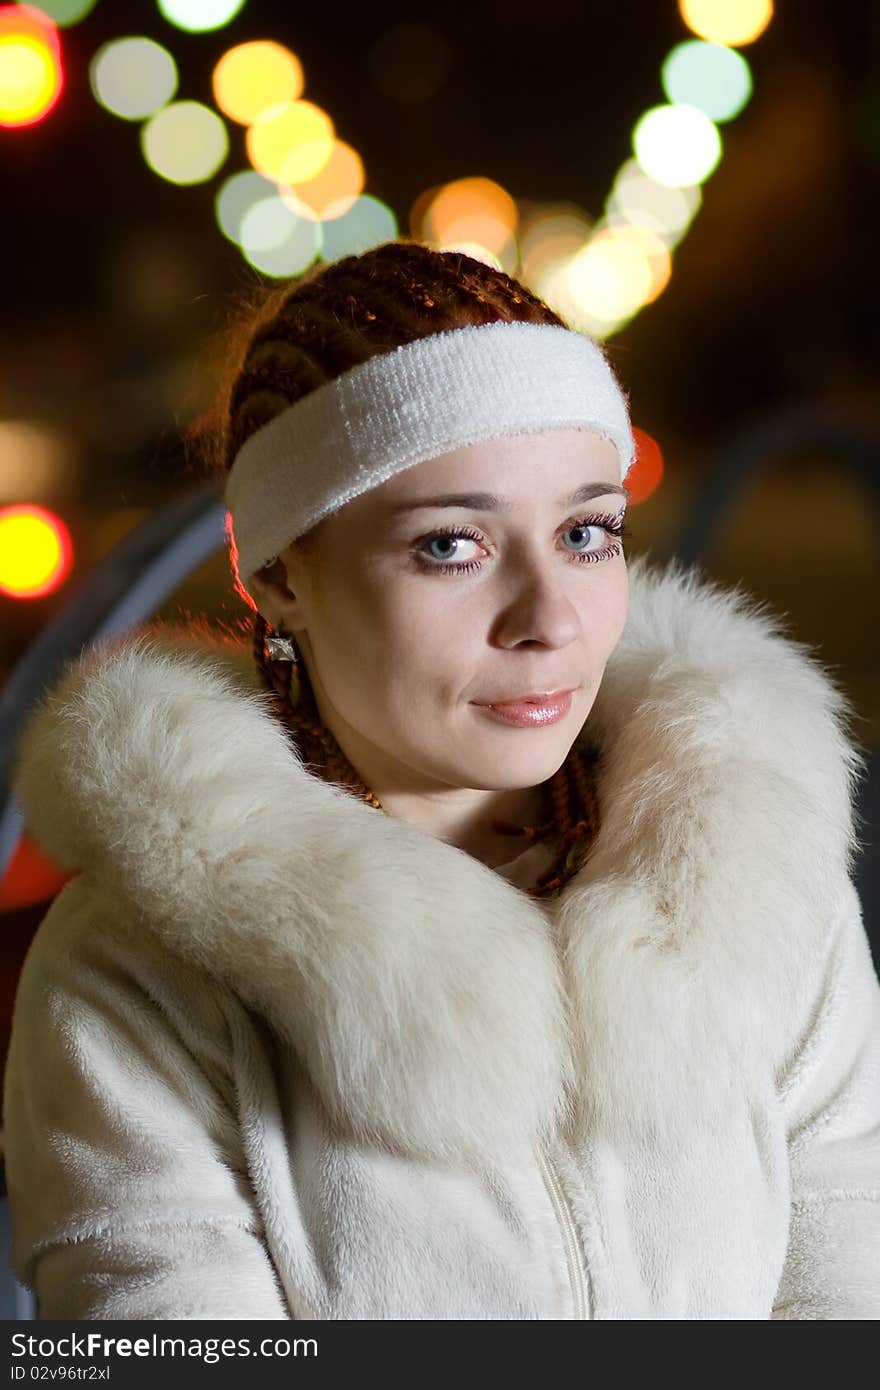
x=537 y=605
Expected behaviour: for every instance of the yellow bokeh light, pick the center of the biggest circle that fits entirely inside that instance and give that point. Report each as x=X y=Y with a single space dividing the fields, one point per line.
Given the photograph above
x=334 y=188
x=255 y=76
x=30 y=78
x=185 y=142
x=621 y=269
x=556 y=286
x=291 y=142
x=474 y=210
x=30 y=551
x=731 y=22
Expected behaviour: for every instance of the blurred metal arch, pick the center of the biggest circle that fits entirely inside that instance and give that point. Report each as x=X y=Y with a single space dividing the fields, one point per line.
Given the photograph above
x=761 y=445
x=125 y=589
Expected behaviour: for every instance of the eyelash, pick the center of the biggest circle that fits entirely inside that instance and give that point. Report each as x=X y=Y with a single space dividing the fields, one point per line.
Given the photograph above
x=614 y=525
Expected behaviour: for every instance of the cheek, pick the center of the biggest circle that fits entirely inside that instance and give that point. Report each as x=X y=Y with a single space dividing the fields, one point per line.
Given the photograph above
x=604 y=614
x=426 y=644
x=394 y=642
x=617 y=610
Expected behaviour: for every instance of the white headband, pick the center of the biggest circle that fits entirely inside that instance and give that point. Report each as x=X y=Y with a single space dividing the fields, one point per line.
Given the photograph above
x=402 y=407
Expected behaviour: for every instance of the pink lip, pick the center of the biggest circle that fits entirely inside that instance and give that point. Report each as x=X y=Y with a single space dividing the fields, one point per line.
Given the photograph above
x=531 y=710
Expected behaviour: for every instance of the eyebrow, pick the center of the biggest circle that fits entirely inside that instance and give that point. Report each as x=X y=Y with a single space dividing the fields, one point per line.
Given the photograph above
x=490 y=502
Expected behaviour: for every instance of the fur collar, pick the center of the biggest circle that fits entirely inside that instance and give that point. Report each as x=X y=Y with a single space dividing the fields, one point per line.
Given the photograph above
x=436 y=1007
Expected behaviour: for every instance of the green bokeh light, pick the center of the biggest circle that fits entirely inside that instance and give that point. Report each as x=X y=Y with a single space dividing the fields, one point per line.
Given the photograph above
x=367 y=223
x=199 y=16
x=66 y=12
x=709 y=76
x=235 y=196
x=276 y=240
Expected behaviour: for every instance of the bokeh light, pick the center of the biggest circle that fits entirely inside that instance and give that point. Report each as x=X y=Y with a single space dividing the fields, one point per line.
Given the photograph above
x=598 y=285
x=37 y=461
x=235 y=196
x=476 y=210
x=30 y=877
x=621 y=269
x=565 y=293
x=334 y=188
x=199 y=16
x=31 y=75
x=419 y=207
x=276 y=240
x=664 y=209
x=254 y=76
x=291 y=142
x=677 y=145
x=366 y=223
x=67 y=12
x=733 y=22
x=550 y=235
x=133 y=77
x=185 y=142
x=36 y=552
x=646 y=473
x=709 y=76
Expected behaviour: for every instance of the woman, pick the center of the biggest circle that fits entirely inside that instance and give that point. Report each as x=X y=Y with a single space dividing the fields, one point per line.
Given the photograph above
x=374 y=999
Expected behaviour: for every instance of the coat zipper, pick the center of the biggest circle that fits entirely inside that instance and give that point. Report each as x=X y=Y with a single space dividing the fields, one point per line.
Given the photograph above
x=576 y=1275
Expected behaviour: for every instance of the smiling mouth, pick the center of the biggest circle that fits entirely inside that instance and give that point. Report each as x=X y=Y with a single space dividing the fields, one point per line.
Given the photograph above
x=533 y=698
x=534 y=712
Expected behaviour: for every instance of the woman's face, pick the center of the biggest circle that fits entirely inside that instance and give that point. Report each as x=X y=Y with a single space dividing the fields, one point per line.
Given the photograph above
x=406 y=627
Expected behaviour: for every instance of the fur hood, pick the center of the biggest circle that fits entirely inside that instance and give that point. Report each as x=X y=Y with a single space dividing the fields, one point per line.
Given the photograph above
x=437 y=1008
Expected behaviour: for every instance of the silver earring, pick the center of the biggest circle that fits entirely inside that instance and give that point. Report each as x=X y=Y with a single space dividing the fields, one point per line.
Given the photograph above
x=281 y=647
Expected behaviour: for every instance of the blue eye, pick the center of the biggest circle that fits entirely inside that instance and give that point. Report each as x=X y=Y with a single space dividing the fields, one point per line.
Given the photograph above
x=450 y=541
x=613 y=526
x=584 y=527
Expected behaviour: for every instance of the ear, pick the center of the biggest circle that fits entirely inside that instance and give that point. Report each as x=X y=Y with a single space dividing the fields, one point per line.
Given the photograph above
x=276 y=600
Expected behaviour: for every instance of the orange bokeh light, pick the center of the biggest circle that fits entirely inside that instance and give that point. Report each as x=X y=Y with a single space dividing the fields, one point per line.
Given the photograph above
x=253 y=76
x=36 y=552
x=334 y=188
x=472 y=209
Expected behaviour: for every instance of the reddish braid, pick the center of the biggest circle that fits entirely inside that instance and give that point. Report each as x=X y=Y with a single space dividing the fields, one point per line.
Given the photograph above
x=307 y=332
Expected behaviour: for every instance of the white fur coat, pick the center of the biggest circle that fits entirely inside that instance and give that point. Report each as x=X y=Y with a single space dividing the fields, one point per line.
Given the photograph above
x=278 y=1055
